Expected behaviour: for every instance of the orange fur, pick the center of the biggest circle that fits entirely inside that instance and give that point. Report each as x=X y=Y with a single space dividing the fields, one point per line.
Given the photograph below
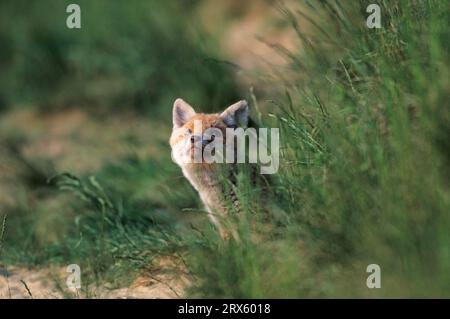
x=203 y=176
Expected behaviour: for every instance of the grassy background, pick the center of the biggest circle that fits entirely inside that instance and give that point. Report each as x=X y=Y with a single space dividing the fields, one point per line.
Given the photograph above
x=363 y=116
x=135 y=55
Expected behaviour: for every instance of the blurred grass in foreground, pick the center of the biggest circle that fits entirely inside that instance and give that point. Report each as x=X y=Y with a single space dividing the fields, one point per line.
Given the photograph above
x=365 y=162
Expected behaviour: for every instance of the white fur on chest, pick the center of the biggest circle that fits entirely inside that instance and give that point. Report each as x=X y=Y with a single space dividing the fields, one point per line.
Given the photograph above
x=208 y=186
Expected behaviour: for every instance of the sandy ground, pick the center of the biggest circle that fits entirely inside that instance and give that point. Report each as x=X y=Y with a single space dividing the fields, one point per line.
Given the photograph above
x=165 y=280
x=20 y=283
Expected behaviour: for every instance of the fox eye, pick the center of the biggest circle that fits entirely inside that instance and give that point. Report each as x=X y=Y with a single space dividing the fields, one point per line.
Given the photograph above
x=189 y=131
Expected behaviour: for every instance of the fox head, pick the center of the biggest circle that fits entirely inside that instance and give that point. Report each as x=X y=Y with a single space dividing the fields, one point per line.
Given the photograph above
x=193 y=132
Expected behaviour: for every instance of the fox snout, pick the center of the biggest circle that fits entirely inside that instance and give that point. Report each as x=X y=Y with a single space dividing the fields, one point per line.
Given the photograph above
x=200 y=139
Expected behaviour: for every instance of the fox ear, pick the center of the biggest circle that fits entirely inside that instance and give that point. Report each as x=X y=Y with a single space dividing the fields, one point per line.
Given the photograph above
x=182 y=112
x=236 y=114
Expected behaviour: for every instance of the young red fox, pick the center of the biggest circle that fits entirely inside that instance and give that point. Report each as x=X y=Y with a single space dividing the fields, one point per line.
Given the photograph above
x=188 y=138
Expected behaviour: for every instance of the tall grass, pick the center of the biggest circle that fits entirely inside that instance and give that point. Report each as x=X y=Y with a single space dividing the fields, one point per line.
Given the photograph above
x=364 y=176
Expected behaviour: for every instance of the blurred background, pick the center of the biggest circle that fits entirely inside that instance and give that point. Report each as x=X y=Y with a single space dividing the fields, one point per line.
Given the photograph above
x=85 y=169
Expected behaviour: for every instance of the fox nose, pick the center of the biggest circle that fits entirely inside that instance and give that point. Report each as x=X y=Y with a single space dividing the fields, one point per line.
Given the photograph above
x=205 y=142
x=195 y=138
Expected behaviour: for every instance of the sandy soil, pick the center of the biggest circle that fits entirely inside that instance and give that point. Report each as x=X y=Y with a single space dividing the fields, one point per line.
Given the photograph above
x=163 y=280
x=20 y=283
